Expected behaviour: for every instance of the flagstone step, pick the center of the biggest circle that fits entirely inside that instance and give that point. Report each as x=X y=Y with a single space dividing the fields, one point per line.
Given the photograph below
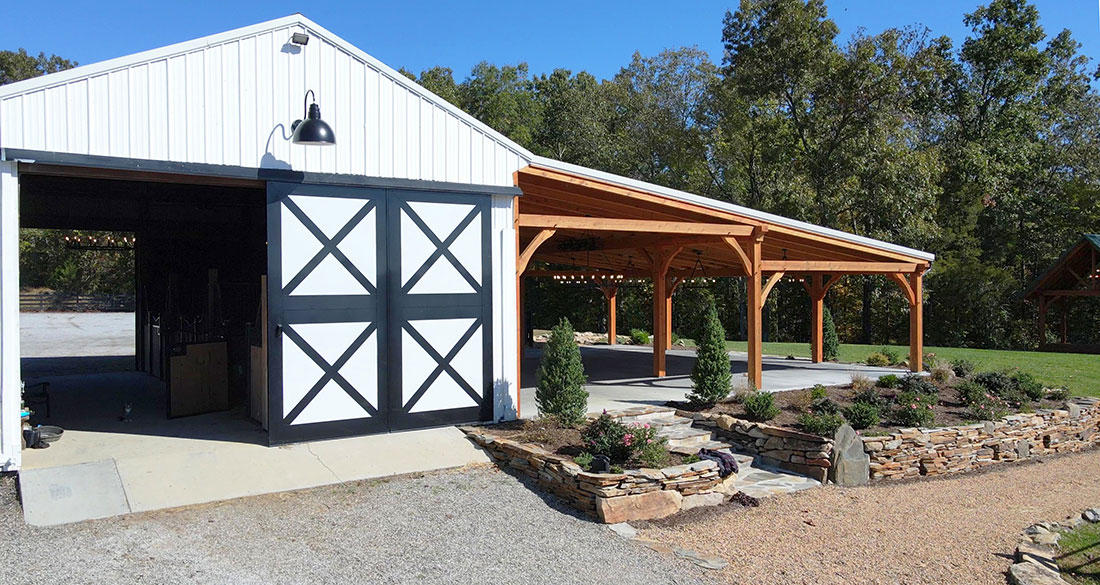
x=693 y=448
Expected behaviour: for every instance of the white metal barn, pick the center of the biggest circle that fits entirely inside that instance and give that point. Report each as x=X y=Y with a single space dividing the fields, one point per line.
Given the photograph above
x=382 y=272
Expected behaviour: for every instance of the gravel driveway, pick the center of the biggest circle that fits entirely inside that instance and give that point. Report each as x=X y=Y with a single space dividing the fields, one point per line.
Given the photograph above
x=475 y=525
x=954 y=530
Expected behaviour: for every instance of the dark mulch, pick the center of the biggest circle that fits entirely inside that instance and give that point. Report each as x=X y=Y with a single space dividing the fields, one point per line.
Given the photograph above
x=792 y=403
x=555 y=439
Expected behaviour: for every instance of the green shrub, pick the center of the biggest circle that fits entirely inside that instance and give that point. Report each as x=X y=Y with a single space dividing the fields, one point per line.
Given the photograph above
x=870 y=397
x=862 y=415
x=914 y=409
x=1027 y=384
x=654 y=453
x=986 y=406
x=710 y=375
x=818 y=392
x=962 y=368
x=560 y=379
x=639 y=337
x=970 y=391
x=941 y=373
x=822 y=425
x=830 y=343
x=584 y=460
x=824 y=406
x=892 y=355
x=918 y=383
x=675 y=338
x=692 y=459
x=760 y=406
x=1057 y=394
x=878 y=360
x=1003 y=386
x=888 y=381
x=607 y=436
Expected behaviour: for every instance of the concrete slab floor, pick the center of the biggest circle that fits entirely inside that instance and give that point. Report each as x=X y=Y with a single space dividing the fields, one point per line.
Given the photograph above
x=161 y=463
x=619 y=375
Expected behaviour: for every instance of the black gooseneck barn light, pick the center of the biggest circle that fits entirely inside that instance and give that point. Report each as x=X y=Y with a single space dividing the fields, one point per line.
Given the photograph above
x=312 y=130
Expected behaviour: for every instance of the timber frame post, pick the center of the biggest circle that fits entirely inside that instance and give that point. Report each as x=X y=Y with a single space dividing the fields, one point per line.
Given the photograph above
x=662 y=307
x=912 y=284
x=817 y=287
x=611 y=293
x=754 y=286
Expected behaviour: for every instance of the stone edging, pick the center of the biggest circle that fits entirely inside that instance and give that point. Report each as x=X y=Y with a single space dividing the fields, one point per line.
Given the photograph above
x=915 y=452
x=1036 y=550
x=641 y=494
x=802 y=453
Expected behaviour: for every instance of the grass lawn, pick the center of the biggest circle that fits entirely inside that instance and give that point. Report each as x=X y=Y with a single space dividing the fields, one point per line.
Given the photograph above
x=1078 y=372
x=1080 y=560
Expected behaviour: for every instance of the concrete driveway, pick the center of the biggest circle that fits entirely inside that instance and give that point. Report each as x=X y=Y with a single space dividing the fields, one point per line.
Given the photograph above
x=618 y=375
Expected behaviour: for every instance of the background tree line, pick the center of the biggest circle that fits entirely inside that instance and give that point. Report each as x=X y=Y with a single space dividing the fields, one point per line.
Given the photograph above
x=983 y=153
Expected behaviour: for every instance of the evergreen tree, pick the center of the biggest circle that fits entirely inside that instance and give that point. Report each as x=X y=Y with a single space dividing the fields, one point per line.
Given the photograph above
x=710 y=376
x=830 y=343
x=560 y=379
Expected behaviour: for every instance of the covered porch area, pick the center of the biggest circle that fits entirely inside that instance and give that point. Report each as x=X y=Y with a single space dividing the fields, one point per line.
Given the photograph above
x=625 y=229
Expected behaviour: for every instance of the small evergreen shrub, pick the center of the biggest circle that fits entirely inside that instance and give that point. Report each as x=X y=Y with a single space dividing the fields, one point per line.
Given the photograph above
x=760 y=406
x=914 y=409
x=692 y=459
x=962 y=368
x=1003 y=386
x=822 y=425
x=584 y=460
x=639 y=337
x=675 y=338
x=560 y=379
x=918 y=383
x=710 y=375
x=818 y=392
x=1027 y=384
x=892 y=355
x=862 y=415
x=888 y=381
x=654 y=453
x=830 y=343
x=861 y=383
x=878 y=360
x=607 y=436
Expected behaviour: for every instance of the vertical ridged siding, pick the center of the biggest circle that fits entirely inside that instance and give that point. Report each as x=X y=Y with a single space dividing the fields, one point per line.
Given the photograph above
x=232 y=102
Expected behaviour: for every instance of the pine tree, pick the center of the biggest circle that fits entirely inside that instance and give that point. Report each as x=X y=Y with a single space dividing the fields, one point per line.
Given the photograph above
x=830 y=342
x=559 y=389
x=710 y=376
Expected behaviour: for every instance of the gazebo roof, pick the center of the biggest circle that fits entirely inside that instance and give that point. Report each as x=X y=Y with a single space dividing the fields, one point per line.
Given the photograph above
x=1075 y=273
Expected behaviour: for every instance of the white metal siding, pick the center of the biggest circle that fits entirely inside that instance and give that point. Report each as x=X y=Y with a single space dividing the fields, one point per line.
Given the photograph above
x=10 y=395
x=231 y=102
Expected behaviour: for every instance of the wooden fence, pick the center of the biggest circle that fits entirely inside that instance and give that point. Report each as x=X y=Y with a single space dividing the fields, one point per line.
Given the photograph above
x=56 y=301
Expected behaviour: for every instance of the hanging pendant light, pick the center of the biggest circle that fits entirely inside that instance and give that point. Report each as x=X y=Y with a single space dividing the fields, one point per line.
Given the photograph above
x=312 y=130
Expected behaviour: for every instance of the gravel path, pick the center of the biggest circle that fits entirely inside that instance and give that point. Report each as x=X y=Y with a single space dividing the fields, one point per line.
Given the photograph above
x=955 y=530
x=470 y=526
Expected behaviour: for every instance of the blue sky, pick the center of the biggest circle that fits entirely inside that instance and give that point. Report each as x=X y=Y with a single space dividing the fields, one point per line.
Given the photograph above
x=596 y=36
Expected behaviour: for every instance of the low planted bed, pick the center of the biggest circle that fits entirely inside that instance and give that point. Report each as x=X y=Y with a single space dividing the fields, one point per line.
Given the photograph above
x=951 y=419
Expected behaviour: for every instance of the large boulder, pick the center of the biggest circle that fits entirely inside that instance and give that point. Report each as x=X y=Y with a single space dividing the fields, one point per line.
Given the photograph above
x=851 y=465
x=647 y=506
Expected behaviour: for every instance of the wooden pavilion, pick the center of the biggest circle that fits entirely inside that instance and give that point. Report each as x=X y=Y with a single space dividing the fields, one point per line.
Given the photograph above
x=629 y=229
x=1075 y=274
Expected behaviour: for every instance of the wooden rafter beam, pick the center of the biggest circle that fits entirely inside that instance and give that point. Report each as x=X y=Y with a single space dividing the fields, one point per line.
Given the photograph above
x=647 y=241
x=566 y=222
x=840 y=267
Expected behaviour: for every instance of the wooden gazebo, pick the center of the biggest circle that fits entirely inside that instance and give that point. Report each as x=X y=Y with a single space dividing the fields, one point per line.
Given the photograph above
x=1075 y=274
x=630 y=229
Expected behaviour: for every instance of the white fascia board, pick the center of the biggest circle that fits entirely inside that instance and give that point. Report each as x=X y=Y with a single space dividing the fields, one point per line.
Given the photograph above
x=730 y=207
